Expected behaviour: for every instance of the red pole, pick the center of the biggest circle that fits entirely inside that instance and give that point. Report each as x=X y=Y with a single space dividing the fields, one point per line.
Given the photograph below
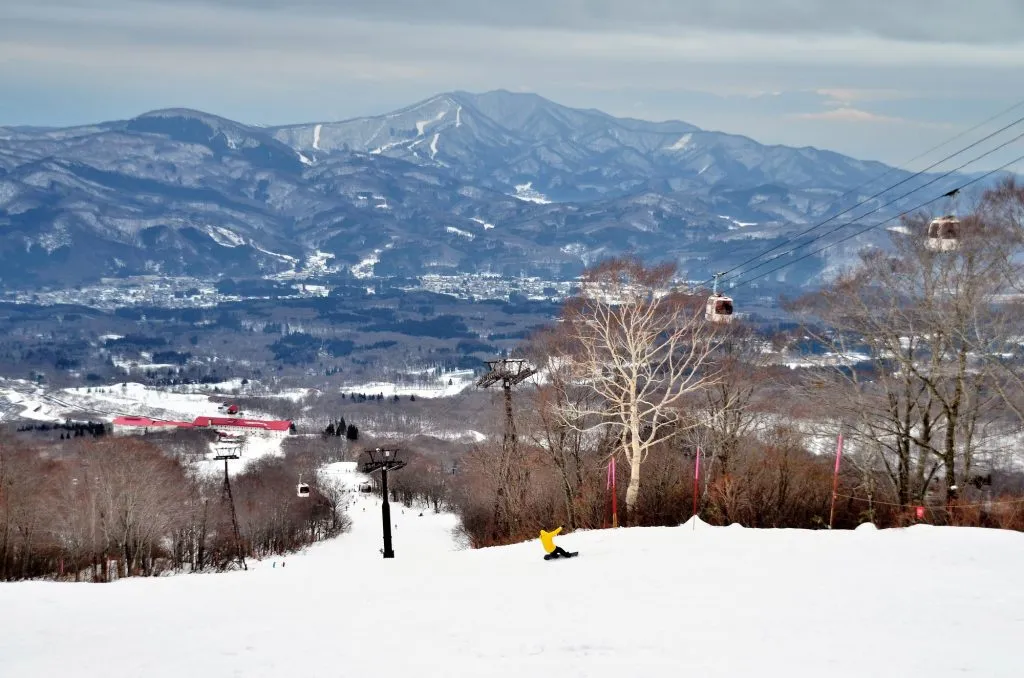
x=696 y=479
x=835 y=481
x=615 y=494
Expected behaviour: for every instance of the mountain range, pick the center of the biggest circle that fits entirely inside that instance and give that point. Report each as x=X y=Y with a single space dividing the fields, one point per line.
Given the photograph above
x=499 y=182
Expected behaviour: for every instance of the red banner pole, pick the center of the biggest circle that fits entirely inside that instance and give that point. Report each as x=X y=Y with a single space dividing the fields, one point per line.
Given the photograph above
x=615 y=497
x=696 y=482
x=835 y=481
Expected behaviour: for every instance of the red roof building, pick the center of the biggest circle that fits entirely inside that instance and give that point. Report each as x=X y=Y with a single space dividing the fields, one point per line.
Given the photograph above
x=147 y=423
x=245 y=424
x=233 y=424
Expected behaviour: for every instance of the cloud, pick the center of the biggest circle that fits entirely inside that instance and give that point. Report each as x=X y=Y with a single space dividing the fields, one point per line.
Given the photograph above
x=991 y=22
x=847 y=114
x=744 y=66
x=844 y=97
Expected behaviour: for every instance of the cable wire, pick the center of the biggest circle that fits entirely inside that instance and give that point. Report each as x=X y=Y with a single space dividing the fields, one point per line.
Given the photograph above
x=864 y=230
x=934 y=148
x=883 y=206
x=886 y=190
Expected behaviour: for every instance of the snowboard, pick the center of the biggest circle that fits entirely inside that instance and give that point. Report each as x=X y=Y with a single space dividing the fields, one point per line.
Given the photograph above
x=551 y=556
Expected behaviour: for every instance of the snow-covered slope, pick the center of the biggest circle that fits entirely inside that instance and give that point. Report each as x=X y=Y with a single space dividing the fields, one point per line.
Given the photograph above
x=691 y=600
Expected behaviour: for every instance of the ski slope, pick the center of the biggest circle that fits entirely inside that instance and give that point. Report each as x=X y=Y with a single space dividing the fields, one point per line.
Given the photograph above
x=685 y=601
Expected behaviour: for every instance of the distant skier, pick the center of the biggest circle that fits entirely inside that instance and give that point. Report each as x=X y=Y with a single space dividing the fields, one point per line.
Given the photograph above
x=547 y=541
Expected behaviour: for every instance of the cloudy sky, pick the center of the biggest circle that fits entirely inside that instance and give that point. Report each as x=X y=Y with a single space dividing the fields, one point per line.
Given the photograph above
x=882 y=79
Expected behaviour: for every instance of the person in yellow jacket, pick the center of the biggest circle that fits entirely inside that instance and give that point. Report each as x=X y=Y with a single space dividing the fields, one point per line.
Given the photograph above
x=547 y=540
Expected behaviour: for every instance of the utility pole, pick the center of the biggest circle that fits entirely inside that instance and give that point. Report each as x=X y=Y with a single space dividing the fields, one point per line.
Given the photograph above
x=384 y=460
x=509 y=372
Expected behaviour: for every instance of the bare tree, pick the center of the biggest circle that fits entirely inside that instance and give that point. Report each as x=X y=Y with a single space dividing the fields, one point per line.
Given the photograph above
x=641 y=347
x=928 y=321
x=725 y=410
x=563 y=441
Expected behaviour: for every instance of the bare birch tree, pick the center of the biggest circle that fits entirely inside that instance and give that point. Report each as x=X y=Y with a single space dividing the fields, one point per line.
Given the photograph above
x=641 y=347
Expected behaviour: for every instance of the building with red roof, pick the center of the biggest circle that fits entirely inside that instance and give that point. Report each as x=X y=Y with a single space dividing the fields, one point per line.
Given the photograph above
x=234 y=425
x=239 y=425
x=129 y=424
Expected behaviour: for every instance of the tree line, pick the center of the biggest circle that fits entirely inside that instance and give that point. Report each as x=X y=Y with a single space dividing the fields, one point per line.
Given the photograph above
x=914 y=356
x=114 y=507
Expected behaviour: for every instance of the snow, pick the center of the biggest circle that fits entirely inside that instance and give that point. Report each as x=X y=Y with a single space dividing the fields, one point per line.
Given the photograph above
x=29 y=407
x=683 y=142
x=461 y=380
x=458 y=116
x=433 y=146
x=316 y=137
x=364 y=269
x=460 y=232
x=483 y=223
x=225 y=237
x=701 y=600
x=527 y=193
x=317 y=262
x=387 y=147
x=253 y=447
x=305 y=160
x=141 y=400
x=178 y=403
x=421 y=126
x=284 y=257
x=735 y=223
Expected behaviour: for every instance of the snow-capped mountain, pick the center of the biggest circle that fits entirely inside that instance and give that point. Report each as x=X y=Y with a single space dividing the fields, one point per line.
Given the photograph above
x=501 y=140
x=499 y=182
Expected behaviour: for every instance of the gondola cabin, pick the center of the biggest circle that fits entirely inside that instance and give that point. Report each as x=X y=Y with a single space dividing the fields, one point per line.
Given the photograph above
x=943 y=234
x=719 y=309
x=302 y=490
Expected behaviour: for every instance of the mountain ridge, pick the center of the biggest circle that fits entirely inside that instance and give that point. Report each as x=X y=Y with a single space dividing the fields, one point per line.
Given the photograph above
x=185 y=192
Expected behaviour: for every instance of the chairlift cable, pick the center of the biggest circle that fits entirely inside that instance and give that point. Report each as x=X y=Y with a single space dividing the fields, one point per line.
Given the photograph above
x=880 y=207
x=889 y=188
x=864 y=230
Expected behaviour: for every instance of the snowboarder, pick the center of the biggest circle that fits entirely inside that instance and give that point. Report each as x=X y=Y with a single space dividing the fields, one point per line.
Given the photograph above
x=547 y=541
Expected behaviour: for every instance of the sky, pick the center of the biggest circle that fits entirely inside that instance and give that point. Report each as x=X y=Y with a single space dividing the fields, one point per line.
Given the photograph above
x=875 y=79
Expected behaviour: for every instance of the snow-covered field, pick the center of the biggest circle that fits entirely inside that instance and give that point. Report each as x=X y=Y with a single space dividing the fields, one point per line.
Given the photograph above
x=686 y=601
x=436 y=387
x=22 y=398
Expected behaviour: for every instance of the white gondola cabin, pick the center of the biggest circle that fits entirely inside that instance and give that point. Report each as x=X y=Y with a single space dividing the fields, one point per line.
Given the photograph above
x=302 y=490
x=719 y=308
x=943 y=234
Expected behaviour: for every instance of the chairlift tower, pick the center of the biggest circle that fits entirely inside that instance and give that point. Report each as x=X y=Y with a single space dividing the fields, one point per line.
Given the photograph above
x=228 y=497
x=510 y=372
x=384 y=460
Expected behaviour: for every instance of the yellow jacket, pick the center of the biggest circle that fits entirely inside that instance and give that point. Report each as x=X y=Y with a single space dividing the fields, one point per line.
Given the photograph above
x=547 y=539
